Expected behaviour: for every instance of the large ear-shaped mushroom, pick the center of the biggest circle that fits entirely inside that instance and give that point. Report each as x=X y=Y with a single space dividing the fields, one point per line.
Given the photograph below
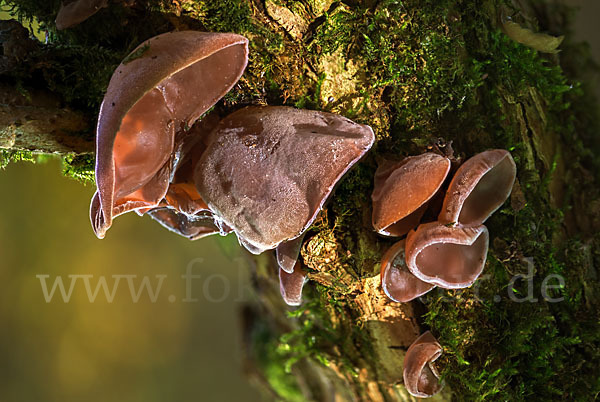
x=479 y=187
x=421 y=378
x=270 y=169
x=74 y=12
x=449 y=257
x=291 y=284
x=398 y=283
x=402 y=190
x=155 y=94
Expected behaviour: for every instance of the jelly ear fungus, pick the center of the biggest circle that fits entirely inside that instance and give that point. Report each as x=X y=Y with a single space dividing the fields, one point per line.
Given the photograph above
x=72 y=13
x=398 y=283
x=449 y=257
x=153 y=97
x=479 y=187
x=269 y=171
x=403 y=189
x=421 y=378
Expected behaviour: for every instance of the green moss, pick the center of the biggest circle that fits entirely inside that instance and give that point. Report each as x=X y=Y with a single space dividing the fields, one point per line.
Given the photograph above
x=315 y=337
x=221 y=16
x=414 y=61
x=273 y=364
x=442 y=69
x=308 y=339
x=517 y=351
x=503 y=350
x=136 y=54
x=7 y=157
x=499 y=349
x=79 y=167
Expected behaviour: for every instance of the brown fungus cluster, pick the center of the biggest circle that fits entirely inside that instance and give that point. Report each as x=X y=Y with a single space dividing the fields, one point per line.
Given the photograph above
x=451 y=251
x=263 y=173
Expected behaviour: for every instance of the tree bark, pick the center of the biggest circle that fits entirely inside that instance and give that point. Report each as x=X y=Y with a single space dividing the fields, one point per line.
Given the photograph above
x=48 y=129
x=372 y=61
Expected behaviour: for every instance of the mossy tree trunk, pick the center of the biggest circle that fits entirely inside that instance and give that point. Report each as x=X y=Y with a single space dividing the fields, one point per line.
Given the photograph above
x=426 y=75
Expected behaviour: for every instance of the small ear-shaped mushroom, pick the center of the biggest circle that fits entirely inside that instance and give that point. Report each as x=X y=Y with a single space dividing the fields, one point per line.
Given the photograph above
x=402 y=190
x=269 y=170
x=479 y=187
x=287 y=253
x=155 y=94
x=421 y=378
x=398 y=283
x=291 y=284
x=75 y=12
x=449 y=257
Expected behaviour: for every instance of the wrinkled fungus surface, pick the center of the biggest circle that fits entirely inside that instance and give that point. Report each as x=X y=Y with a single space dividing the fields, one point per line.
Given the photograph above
x=183 y=210
x=269 y=170
x=192 y=227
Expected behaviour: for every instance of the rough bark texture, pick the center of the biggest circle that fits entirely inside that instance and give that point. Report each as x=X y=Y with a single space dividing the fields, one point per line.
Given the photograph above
x=26 y=126
x=427 y=76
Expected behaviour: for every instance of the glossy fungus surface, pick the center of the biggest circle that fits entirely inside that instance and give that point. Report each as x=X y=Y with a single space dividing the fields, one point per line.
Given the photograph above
x=479 y=187
x=153 y=97
x=402 y=190
x=291 y=284
x=398 y=283
x=72 y=13
x=421 y=378
x=449 y=257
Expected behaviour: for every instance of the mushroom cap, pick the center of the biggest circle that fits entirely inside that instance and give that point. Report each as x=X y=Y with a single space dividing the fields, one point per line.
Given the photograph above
x=446 y=256
x=77 y=11
x=402 y=190
x=421 y=379
x=157 y=92
x=269 y=170
x=479 y=187
x=398 y=283
x=291 y=284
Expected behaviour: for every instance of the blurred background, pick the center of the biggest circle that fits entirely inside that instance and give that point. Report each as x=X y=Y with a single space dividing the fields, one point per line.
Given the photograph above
x=167 y=350
x=162 y=350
